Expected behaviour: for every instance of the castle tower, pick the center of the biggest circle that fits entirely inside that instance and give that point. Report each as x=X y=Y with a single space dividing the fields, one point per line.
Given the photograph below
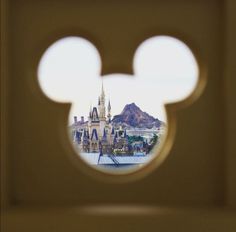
x=90 y=115
x=101 y=102
x=109 y=112
x=102 y=111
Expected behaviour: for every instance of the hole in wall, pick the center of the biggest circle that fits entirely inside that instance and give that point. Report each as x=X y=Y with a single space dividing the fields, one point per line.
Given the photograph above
x=117 y=122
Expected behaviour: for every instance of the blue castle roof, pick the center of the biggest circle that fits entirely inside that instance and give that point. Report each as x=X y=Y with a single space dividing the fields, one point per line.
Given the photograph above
x=85 y=135
x=95 y=114
x=125 y=134
x=78 y=136
x=94 y=135
x=113 y=131
x=104 y=134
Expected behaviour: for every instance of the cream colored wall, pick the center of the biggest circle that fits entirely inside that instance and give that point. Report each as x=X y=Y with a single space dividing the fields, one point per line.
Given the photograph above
x=38 y=165
x=229 y=99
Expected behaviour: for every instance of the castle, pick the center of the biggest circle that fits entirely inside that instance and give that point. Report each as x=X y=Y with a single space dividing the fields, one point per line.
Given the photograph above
x=98 y=134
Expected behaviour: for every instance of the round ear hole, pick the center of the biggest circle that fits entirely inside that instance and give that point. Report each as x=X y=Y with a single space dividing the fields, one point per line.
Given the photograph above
x=66 y=67
x=169 y=66
x=117 y=123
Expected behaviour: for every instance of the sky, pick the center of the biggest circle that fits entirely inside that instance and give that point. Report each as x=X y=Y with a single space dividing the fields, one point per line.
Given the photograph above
x=165 y=71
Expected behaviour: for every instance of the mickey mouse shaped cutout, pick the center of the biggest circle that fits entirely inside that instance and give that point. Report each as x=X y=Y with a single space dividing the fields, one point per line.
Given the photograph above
x=117 y=122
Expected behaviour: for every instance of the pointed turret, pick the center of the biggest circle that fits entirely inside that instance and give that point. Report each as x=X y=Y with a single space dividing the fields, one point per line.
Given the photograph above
x=101 y=106
x=104 y=137
x=109 y=106
x=125 y=134
x=113 y=131
x=77 y=136
x=109 y=111
x=102 y=96
x=103 y=93
x=94 y=114
x=85 y=137
x=94 y=135
x=90 y=113
x=104 y=134
x=87 y=133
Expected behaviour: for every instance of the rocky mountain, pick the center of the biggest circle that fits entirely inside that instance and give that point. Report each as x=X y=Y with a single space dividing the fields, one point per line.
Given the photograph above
x=133 y=116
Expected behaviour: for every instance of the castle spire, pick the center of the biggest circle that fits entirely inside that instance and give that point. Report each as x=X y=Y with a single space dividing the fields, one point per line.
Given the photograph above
x=109 y=106
x=90 y=111
x=102 y=108
x=109 y=111
x=103 y=93
x=102 y=96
